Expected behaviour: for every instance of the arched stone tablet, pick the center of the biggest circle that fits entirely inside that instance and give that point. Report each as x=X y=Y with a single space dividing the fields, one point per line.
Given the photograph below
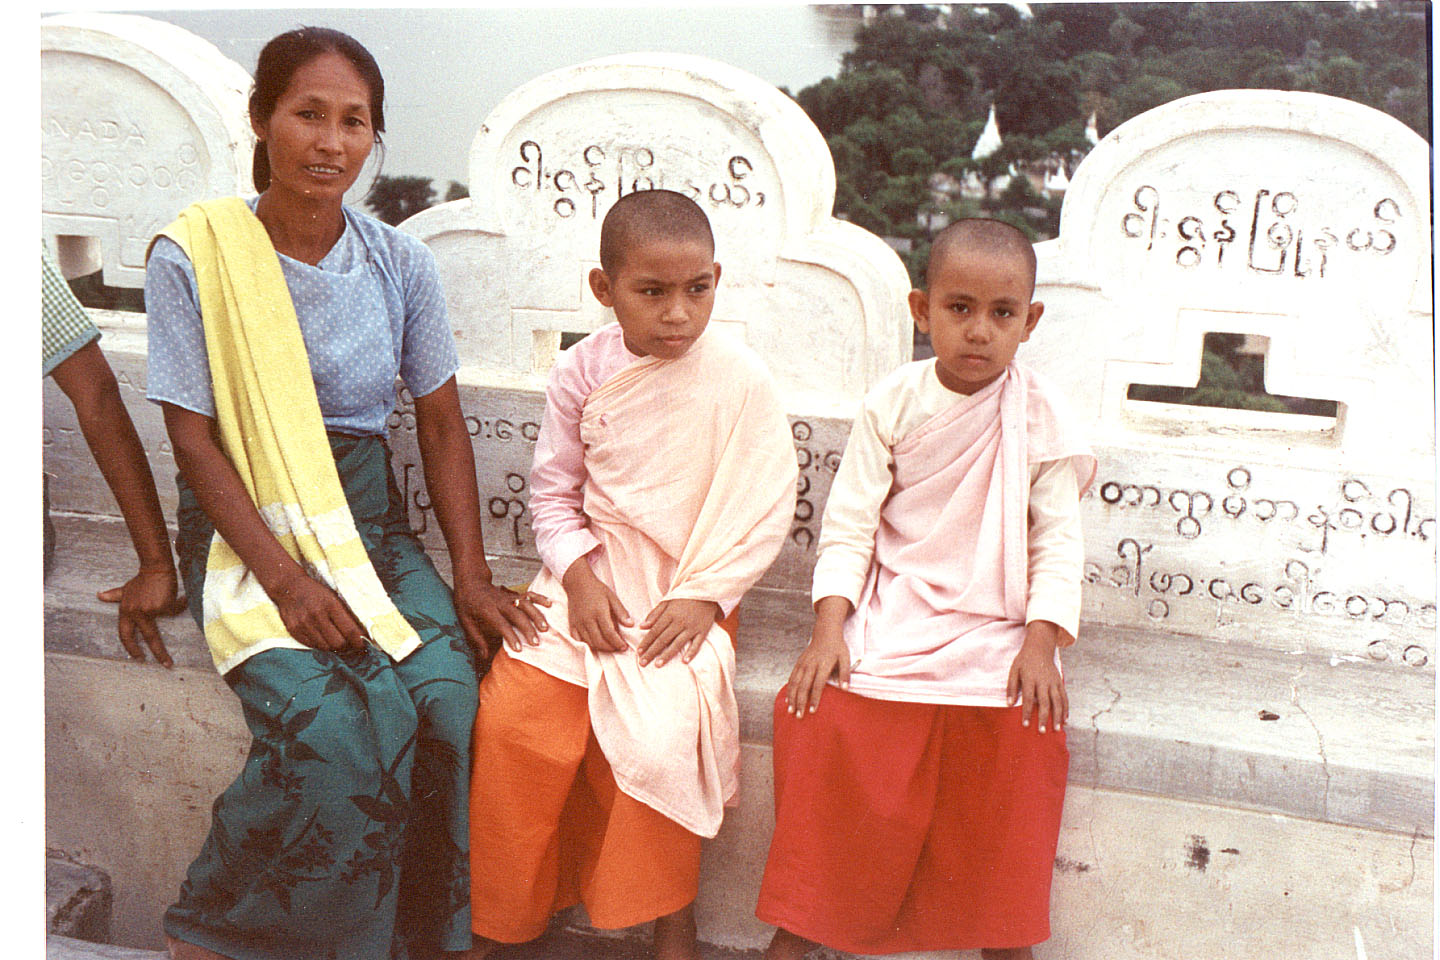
x=822 y=300
x=1302 y=221
x=139 y=119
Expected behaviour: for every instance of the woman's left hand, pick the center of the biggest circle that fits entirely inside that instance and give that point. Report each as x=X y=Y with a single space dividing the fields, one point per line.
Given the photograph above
x=489 y=613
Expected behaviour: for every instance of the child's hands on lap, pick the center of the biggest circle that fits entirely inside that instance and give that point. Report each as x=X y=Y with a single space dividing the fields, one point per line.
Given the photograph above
x=596 y=614
x=678 y=625
x=827 y=655
x=1035 y=680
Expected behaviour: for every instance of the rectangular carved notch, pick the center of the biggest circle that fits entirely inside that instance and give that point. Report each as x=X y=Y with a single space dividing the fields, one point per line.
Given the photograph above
x=1232 y=375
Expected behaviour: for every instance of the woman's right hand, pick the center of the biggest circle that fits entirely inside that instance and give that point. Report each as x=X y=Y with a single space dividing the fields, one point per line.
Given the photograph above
x=316 y=616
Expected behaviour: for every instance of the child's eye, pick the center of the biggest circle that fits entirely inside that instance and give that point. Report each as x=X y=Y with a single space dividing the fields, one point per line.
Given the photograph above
x=960 y=308
x=700 y=288
x=308 y=114
x=1004 y=313
x=650 y=292
x=354 y=121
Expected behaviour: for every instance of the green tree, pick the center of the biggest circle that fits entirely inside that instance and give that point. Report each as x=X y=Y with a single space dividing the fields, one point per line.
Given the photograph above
x=396 y=199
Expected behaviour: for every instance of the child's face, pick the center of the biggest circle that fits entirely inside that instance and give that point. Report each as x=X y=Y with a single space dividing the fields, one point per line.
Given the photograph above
x=977 y=313
x=662 y=294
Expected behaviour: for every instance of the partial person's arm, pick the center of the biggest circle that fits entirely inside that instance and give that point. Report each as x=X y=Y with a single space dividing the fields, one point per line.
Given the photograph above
x=852 y=510
x=1056 y=549
x=485 y=610
x=1052 y=610
x=86 y=379
x=826 y=655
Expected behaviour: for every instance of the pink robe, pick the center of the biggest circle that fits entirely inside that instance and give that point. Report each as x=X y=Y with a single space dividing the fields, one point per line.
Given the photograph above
x=690 y=490
x=942 y=613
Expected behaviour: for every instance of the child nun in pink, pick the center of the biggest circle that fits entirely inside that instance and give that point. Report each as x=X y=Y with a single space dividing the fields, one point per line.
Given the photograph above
x=917 y=804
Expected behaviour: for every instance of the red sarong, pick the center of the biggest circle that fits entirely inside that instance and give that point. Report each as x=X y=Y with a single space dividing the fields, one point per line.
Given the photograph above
x=912 y=826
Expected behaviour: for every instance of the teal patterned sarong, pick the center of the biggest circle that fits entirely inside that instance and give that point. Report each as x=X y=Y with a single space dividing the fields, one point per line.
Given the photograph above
x=346 y=835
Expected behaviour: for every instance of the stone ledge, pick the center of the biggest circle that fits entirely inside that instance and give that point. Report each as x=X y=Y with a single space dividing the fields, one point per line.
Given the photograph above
x=66 y=948
x=77 y=899
x=1302 y=735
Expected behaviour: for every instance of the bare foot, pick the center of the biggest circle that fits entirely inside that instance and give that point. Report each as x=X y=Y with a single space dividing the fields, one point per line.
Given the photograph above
x=1006 y=953
x=183 y=950
x=675 y=935
x=788 y=946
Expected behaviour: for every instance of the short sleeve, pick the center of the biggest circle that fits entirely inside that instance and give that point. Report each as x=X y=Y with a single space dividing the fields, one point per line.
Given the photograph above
x=178 y=368
x=65 y=327
x=427 y=353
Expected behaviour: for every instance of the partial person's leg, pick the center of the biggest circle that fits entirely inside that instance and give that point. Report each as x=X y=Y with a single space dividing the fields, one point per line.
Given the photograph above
x=434 y=904
x=530 y=736
x=788 y=946
x=675 y=937
x=312 y=825
x=635 y=864
x=854 y=792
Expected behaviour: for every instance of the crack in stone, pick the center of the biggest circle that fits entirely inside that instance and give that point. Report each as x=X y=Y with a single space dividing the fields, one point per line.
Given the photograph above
x=1095 y=730
x=1414 y=838
x=1319 y=738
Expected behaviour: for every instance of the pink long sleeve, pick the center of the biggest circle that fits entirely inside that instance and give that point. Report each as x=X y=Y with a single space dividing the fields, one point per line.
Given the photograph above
x=557 y=475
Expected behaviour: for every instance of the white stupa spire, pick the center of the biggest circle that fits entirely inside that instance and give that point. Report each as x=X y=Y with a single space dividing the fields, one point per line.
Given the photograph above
x=1092 y=130
x=989 y=140
x=1056 y=181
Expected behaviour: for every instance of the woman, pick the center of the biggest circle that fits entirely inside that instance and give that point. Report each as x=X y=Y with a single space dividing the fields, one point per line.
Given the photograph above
x=345 y=835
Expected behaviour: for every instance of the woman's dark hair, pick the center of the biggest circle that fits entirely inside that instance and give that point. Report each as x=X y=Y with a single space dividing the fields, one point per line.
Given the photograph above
x=287 y=53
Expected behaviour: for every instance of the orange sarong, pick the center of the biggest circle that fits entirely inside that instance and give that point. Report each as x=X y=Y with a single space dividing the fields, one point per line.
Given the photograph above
x=550 y=829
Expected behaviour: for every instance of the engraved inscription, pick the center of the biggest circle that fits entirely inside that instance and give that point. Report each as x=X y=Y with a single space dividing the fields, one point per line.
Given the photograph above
x=587 y=183
x=812 y=461
x=1271 y=227
x=1359 y=509
x=1164 y=586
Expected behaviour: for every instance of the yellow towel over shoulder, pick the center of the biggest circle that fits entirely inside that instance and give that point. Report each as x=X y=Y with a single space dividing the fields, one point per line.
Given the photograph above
x=271 y=429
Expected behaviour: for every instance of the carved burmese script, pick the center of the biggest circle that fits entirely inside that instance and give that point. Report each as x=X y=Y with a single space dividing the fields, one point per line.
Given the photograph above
x=1301 y=221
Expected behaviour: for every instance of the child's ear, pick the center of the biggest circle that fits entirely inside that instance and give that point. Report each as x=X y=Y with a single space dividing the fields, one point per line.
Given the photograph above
x=920 y=309
x=600 y=286
x=1032 y=317
x=717 y=274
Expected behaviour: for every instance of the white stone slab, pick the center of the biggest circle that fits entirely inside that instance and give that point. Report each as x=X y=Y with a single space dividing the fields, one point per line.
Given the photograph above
x=822 y=300
x=139 y=119
x=1297 y=217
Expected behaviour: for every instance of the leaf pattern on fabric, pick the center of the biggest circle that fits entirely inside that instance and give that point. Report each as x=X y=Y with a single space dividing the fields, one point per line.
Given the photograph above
x=281 y=839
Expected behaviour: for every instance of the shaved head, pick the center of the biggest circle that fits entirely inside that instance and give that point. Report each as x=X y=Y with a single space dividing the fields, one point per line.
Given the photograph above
x=981 y=236
x=646 y=216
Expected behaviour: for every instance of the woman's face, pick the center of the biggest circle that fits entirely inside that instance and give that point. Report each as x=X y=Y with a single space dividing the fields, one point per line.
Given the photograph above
x=320 y=132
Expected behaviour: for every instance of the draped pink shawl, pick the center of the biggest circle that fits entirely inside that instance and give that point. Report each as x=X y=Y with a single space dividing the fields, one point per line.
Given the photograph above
x=942 y=613
x=690 y=489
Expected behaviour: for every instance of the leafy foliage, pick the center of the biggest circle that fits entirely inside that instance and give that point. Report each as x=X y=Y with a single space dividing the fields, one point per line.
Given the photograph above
x=396 y=199
x=911 y=97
